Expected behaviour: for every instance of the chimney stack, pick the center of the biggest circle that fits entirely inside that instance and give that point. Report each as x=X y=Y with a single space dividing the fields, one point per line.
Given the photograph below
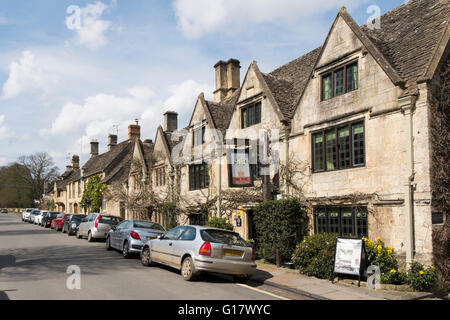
x=76 y=162
x=148 y=141
x=69 y=168
x=228 y=79
x=112 y=141
x=134 y=130
x=170 y=121
x=94 y=148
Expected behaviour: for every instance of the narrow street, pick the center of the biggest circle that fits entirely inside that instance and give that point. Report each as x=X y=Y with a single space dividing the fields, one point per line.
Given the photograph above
x=34 y=261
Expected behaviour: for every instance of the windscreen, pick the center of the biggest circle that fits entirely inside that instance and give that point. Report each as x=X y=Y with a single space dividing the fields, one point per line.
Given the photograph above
x=148 y=225
x=225 y=237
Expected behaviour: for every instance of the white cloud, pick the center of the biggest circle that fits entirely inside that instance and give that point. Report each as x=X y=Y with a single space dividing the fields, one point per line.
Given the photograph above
x=199 y=17
x=92 y=29
x=25 y=75
x=7 y=134
x=3 y=129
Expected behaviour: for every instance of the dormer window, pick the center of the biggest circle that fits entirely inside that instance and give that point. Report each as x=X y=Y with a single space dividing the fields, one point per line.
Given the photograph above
x=339 y=81
x=250 y=115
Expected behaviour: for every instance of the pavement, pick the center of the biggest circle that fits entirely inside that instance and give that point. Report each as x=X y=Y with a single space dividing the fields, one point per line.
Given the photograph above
x=34 y=262
x=289 y=279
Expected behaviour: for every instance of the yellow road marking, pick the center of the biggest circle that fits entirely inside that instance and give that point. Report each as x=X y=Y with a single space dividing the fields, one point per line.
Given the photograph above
x=262 y=291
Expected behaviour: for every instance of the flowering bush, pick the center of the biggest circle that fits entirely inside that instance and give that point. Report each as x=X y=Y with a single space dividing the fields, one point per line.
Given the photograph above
x=394 y=277
x=421 y=279
x=380 y=255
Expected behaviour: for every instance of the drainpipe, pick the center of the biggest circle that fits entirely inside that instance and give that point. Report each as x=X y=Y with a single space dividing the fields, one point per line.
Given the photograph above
x=407 y=104
x=286 y=156
x=219 y=181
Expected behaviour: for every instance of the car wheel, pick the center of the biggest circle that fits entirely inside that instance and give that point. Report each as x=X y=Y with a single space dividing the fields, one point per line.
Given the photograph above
x=241 y=279
x=126 y=250
x=146 y=258
x=90 y=239
x=188 y=269
x=108 y=244
x=78 y=234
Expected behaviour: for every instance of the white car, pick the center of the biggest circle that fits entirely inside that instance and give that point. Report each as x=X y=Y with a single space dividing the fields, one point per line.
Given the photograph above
x=38 y=218
x=26 y=214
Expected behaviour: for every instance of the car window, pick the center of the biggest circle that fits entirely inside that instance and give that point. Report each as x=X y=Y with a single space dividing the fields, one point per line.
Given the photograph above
x=225 y=237
x=59 y=216
x=123 y=225
x=189 y=234
x=147 y=225
x=91 y=217
x=174 y=234
x=109 y=220
x=76 y=218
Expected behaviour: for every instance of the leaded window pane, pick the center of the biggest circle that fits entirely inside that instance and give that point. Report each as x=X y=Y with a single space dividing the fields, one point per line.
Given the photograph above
x=347 y=222
x=339 y=82
x=344 y=147
x=331 y=153
x=318 y=152
x=358 y=144
x=326 y=87
x=352 y=77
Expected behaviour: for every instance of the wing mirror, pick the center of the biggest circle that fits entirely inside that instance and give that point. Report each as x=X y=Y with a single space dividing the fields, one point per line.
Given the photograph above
x=113 y=228
x=160 y=237
x=83 y=220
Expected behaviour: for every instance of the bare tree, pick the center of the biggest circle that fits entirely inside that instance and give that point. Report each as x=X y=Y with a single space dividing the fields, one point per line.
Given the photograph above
x=40 y=170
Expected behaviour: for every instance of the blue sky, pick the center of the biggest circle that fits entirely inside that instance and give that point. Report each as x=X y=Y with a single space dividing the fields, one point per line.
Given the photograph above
x=60 y=87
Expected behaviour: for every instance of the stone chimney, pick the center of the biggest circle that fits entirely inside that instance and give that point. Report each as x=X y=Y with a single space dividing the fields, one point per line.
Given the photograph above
x=170 y=121
x=69 y=168
x=228 y=79
x=148 y=141
x=134 y=130
x=94 y=148
x=112 y=141
x=76 y=162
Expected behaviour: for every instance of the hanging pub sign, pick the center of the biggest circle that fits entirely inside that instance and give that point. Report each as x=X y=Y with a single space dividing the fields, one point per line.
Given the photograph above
x=349 y=257
x=239 y=168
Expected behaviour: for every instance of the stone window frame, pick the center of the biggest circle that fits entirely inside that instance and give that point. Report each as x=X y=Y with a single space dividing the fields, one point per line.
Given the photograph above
x=160 y=176
x=332 y=73
x=336 y=129
x=198 y=176
x=257 y=117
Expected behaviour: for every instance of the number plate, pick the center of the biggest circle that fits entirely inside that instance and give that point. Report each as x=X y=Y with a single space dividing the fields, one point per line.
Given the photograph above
x=233 y=253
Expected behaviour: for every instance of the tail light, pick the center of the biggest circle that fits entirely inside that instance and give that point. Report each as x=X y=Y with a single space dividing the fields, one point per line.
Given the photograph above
x=96 y=222
x=135 y=235
x=205 y=249
x=253 y=254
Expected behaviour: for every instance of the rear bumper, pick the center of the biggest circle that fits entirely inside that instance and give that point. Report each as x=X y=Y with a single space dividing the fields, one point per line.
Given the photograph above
x=225 y=266
x=136 y=245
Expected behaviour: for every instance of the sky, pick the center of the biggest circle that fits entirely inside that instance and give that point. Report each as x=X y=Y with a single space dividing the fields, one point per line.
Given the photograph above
x=73 y=71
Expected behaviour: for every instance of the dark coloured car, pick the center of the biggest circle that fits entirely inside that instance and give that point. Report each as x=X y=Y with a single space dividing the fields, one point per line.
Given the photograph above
x=47 y=220
x=4 y=211
x=71 y=225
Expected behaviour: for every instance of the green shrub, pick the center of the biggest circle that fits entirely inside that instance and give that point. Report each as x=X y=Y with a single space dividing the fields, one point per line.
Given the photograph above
x=314 y=256
x=394 y=277
x=221 y=223
x=279 y=224
x=421 y=279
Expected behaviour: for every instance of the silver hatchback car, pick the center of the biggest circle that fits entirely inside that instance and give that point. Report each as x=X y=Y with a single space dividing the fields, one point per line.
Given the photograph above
x=131 y=235
x=96 y=226
x=193 y=249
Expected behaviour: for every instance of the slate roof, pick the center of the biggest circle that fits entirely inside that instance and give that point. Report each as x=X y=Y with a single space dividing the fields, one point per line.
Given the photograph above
x=407 y=39
x=222 y=112
x=410 y=34
x=108 y=159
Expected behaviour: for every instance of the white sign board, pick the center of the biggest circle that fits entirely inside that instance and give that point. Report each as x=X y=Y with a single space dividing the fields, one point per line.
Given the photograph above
x=348 y=256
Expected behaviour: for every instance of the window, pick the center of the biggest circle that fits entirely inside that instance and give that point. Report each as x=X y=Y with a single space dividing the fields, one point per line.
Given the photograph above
x=160 y=176
x=198 y=176
x=189 y=234
x=251 y=115
x=199 y=136
x=338 y=148
x=345 y=221
x=197 y=219
x=174 y=234
x=340 y=81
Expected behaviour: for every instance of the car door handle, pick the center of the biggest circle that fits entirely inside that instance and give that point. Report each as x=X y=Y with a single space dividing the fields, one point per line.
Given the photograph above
x=170 y=244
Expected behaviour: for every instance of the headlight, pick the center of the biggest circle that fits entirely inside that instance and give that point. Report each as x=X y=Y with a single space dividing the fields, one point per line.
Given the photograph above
x=74 y=225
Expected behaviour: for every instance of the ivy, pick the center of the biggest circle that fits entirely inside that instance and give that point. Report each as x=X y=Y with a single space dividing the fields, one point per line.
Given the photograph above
x=170 y=213
x=92 y=194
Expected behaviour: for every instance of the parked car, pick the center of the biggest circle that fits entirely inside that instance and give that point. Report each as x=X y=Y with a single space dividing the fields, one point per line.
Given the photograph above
x=194 y=249
x=58 y=223
x=33 y=215
x=47 y=220
x=4 y=211
x=71 y=225
x=131 y=235
x=96 y=226
x=26 y=214
x=38 y=218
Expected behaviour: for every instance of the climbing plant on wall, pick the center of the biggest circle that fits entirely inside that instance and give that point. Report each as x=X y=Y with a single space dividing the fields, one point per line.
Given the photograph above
x=92 y=194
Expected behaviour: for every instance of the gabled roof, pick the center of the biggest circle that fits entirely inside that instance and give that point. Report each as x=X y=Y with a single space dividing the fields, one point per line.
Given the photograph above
x=410 y=35
x=222 y=112
x=108 y=159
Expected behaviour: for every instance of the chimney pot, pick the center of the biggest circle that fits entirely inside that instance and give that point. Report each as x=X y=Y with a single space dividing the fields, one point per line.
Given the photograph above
x=227 y=79
x=112 y=141
x=94 y=148
x=134 y=130
x=170 y=121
